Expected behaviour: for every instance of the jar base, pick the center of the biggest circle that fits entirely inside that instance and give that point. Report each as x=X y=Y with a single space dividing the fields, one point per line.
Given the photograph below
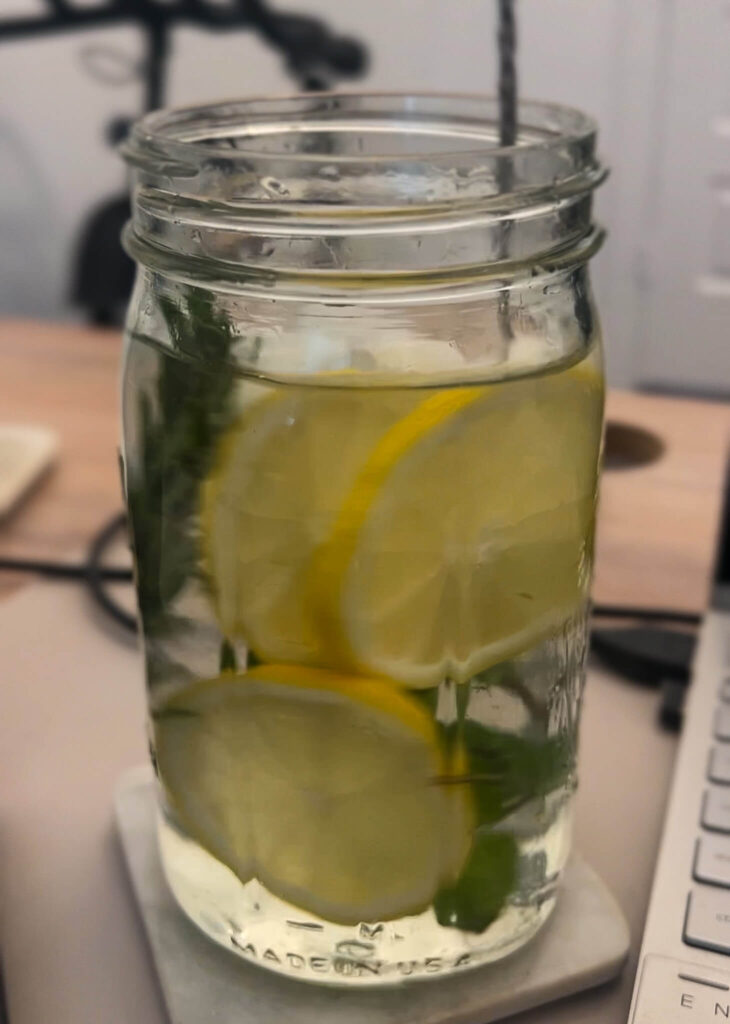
x=259 y=927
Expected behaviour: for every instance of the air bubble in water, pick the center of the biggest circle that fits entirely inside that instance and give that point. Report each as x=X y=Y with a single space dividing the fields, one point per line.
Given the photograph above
x=330 y=171
x=274 y=186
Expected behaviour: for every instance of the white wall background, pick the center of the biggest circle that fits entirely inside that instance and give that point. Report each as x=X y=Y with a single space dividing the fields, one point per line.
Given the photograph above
x=600 y=55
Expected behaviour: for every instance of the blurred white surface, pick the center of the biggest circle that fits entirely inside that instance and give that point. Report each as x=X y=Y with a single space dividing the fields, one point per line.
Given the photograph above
x=25 y=454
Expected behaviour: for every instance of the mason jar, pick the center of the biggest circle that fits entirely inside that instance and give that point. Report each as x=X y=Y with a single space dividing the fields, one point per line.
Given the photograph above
x=362 y=406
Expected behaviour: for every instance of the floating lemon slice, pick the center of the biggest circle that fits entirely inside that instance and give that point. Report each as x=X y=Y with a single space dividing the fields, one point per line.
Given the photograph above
x=465 y=536
x=384 y=532
x=327 y=788
x=281 y=473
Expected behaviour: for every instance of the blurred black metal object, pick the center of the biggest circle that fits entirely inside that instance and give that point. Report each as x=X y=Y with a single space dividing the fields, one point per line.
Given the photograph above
x=103 y=274
x=671 y=705
x=312 y=54
x=644 y=614
x=645 y=654
x=652 y=657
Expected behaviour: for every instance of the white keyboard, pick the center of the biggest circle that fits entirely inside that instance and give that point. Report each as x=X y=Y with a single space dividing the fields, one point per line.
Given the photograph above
x=684 y=965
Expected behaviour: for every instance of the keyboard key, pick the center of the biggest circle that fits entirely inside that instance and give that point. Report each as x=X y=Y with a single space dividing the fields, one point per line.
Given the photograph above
x=716 y=809
x=712 y=860
x=707 y=920
x=725 y=690
x=719 y=769
x=722 y=723
x=671 y=990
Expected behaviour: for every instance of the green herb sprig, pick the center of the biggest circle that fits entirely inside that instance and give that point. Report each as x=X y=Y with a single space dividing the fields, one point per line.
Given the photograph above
x=179 y=426
x=505 y=772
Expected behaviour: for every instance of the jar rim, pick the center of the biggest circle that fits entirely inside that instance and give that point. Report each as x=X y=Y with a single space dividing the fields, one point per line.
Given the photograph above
x=244 y=129
x=340 y=186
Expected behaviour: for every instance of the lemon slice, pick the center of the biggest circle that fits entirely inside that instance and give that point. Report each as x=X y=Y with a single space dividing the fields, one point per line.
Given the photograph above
x=324 y=787
x=281 y=473
x=465 y=535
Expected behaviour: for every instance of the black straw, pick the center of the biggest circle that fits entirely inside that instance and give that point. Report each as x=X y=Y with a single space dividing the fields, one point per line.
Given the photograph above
x=507 y=88
x=507 y=43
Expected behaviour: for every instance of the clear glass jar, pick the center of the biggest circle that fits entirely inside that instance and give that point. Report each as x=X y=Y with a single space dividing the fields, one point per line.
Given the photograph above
x=362 y=409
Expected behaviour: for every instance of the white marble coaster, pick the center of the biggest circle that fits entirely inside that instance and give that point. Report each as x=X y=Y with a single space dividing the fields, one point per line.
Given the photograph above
x=584 y=943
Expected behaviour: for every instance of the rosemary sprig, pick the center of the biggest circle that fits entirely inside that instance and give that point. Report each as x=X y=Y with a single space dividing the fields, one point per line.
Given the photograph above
x=179 y=424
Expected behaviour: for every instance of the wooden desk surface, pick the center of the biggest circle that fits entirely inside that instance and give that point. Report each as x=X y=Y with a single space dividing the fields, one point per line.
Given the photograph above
x=657 y=523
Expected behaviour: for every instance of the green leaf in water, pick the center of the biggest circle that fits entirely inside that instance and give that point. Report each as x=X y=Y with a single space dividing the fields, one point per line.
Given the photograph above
x=252 y=659
x=228 y=661
x=507 y=771
x=179 y=424
x=167 y=714
x=489 y=876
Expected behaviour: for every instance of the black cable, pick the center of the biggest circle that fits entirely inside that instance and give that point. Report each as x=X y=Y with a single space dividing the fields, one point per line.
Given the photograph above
x=90 y=571
x=99 y=60
x=95 y=573
x=619 y=611
x=63 y=570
